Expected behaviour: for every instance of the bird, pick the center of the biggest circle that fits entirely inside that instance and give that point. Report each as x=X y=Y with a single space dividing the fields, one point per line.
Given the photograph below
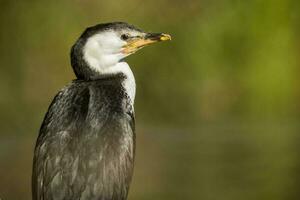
x=86 y=144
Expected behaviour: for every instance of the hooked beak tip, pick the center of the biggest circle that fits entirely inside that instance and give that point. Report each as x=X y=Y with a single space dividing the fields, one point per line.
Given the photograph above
x=165 y=37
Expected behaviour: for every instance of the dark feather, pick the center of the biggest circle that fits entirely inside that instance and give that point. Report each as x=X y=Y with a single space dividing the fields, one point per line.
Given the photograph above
x=85 y=148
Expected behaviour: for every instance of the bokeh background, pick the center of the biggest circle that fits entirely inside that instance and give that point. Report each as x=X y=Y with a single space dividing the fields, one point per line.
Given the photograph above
x=217 y=108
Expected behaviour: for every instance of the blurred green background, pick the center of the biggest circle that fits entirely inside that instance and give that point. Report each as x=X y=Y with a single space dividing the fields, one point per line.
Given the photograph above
x=217 y=108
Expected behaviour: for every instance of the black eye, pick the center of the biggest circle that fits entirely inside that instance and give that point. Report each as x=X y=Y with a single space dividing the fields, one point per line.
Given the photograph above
x=125 y=37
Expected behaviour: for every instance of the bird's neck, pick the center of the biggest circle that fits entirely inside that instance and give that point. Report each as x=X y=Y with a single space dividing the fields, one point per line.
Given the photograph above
x=129 y=80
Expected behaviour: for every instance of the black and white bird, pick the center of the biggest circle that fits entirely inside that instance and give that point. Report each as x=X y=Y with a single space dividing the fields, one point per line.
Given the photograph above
x=86 y=144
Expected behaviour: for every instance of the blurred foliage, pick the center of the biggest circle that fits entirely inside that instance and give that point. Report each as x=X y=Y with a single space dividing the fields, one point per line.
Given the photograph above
x=227 y=58
x=228 y=77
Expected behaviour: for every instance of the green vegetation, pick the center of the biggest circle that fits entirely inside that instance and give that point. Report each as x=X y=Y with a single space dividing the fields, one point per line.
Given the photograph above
x=217 y=107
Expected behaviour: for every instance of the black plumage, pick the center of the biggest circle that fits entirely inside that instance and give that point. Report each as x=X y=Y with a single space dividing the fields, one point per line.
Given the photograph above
x=85 y=149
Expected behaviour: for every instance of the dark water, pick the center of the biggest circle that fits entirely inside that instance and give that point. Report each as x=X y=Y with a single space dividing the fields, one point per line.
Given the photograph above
x=221 y=161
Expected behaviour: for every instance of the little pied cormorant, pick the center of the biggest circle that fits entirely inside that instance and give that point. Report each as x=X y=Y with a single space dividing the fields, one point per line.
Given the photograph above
x=86 y=144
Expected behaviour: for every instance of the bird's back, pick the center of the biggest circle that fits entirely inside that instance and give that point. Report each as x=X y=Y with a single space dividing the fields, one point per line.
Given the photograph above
x=85 y=149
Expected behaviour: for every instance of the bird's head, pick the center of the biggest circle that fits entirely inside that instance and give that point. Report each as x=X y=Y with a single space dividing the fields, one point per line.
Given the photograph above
x=104 y=45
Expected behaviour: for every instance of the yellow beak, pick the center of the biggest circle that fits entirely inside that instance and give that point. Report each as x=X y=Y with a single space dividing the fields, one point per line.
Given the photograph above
x=138 y=43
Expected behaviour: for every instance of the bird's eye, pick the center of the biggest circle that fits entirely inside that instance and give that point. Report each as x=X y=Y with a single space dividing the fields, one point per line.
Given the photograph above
x=125 y=37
